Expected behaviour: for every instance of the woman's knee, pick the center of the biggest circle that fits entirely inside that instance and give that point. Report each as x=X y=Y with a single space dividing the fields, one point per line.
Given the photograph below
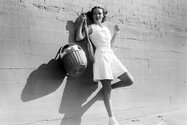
x=130 y=81
x=106 y=86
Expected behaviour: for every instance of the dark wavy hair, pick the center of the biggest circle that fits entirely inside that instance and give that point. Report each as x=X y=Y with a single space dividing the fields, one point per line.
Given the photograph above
x=90 y=13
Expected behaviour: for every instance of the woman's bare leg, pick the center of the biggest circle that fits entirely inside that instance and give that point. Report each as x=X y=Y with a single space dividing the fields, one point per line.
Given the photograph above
x=106 y=96
x=126 y=79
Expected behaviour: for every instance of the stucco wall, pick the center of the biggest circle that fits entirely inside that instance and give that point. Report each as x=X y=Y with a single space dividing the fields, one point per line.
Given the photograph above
x=34 y=89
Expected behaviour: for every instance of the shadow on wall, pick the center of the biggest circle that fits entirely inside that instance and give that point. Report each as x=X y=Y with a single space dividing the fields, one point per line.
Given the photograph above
x=48 y=77
x=76 y=93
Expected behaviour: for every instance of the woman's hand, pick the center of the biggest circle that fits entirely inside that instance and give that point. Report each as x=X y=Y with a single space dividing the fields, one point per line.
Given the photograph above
x=83 y=16
x=116 y=29
x=116 y=32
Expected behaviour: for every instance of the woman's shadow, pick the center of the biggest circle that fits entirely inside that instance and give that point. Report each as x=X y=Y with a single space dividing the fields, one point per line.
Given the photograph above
x=75 y=98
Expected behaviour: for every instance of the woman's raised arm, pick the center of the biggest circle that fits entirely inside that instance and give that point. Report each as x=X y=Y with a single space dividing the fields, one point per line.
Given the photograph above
x=80 y=32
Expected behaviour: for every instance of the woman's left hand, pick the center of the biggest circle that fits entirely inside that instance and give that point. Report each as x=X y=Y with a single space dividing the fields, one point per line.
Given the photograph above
x=116 y=29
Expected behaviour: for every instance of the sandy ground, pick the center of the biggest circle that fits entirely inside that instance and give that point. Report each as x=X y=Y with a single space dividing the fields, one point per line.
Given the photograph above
x=170 y=118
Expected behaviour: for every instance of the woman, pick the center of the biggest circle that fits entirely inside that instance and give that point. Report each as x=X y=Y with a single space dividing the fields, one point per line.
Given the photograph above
x=106 y=66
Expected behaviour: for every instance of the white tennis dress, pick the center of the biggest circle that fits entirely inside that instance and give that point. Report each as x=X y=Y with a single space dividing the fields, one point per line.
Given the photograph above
x=106 y=65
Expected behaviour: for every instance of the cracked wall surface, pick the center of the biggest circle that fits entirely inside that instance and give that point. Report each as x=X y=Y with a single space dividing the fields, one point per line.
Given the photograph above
x=34 y=88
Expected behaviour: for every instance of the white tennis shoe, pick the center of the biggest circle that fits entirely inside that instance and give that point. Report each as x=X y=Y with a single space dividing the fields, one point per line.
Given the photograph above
x=113 y=121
